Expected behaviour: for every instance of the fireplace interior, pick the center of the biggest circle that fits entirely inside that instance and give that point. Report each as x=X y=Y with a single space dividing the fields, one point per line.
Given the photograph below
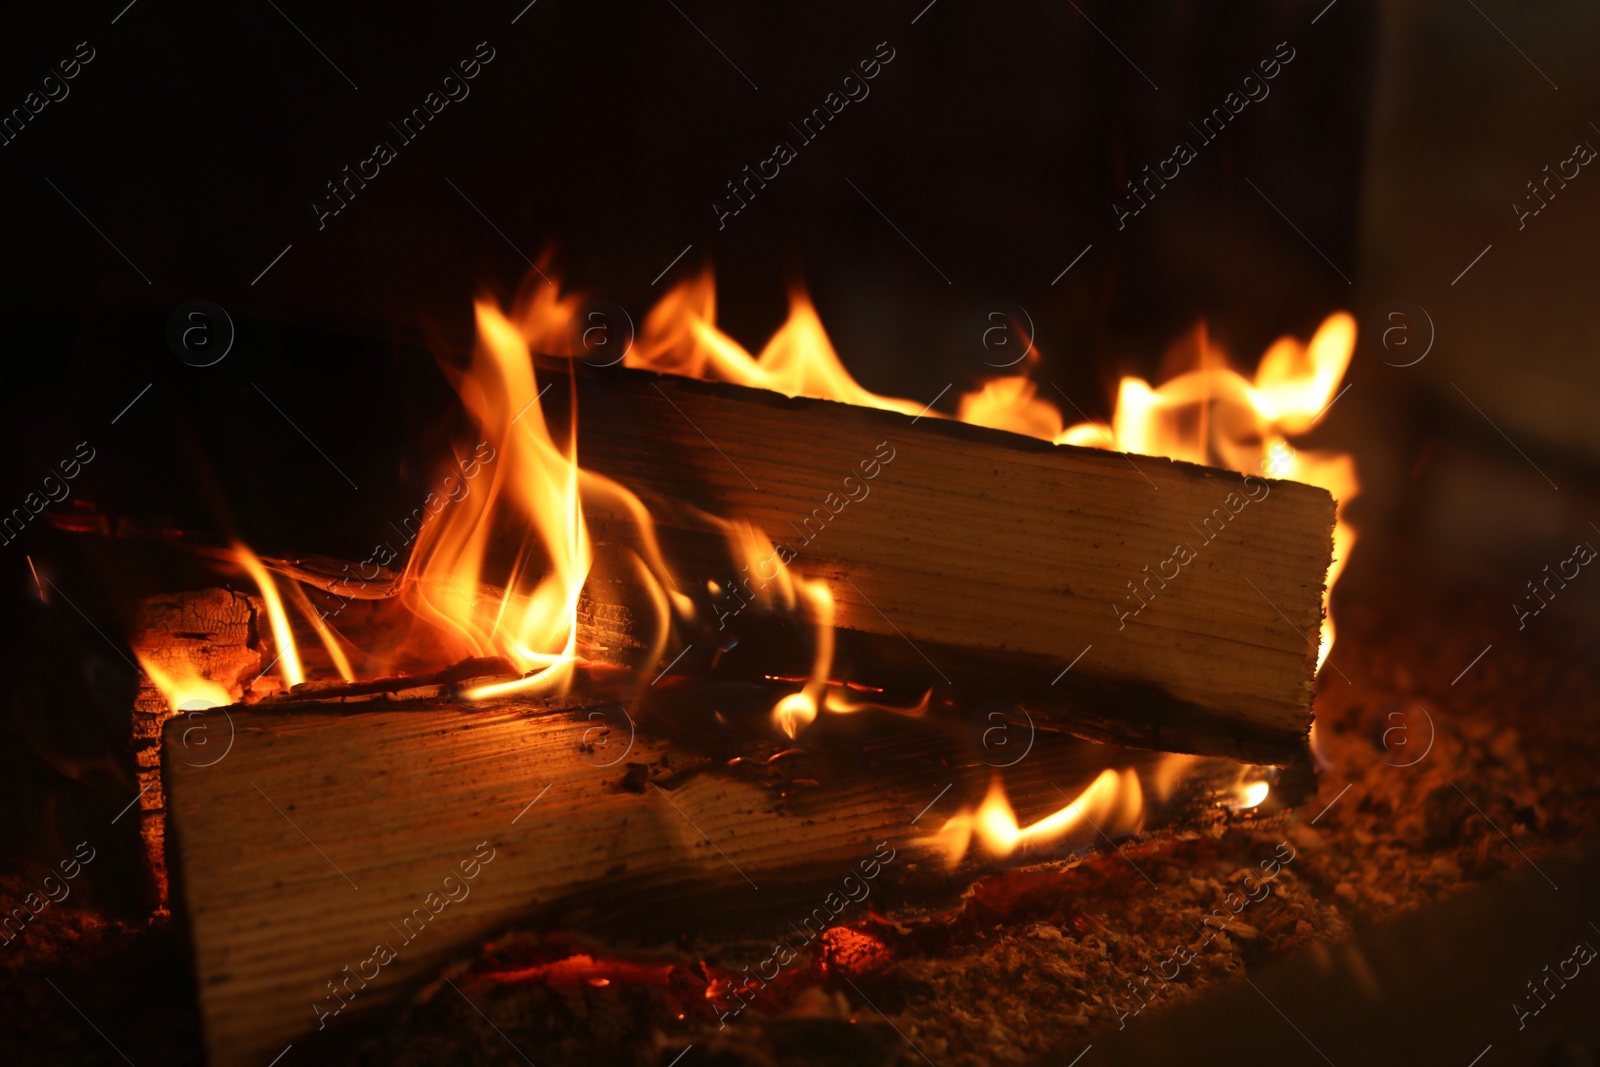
x=697 y=536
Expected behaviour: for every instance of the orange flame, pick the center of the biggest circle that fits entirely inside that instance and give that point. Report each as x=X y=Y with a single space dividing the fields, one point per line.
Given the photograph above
x=534 y=622
x=183 y=687
x=282 y=636
x=680 y=337
x=1112 y=803
x=798 y=709
x=1252 y=795
x=535 y=489
x=840 y=702
x=786 y=590
x=325 y=633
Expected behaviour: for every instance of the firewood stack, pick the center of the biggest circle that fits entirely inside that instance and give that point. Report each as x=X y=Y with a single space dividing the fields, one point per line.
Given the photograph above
x=356 y=838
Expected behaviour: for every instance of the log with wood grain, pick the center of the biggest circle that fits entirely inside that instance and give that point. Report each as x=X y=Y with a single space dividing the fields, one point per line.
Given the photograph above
x=1185 y=600
x=346 y=850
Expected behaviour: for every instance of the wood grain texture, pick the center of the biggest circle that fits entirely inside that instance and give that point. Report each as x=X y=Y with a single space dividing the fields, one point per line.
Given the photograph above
x=325 y=827
x=319 y=831
x=988 y=561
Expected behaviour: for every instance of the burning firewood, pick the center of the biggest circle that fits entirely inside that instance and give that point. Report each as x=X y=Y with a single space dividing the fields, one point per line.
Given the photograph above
x=739 y=541
x=1138 y=599
x=341 y=854
x=1131 y=599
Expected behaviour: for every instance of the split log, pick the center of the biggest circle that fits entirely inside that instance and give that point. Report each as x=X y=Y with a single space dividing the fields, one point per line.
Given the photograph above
x=1186 y=600
x=310 y=865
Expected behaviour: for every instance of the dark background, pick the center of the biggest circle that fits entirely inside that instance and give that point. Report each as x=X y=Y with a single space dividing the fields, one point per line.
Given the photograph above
x=200 y=134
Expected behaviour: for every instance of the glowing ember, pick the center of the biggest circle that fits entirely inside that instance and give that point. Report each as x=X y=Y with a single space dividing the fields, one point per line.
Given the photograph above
x=582 y=969
x=853 y=951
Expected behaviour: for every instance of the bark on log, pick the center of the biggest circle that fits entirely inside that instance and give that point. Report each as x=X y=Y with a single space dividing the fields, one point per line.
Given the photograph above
x=328 y=831
x=989 y=562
